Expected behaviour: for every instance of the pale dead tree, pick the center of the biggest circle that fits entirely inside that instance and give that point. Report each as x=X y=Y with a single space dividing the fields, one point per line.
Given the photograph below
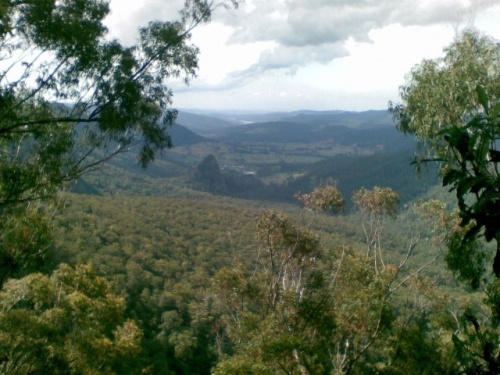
x=376 y=206
x=301 y=299
x=291 y=253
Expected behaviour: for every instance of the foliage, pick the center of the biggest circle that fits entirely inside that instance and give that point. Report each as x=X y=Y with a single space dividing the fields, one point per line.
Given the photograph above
x=377 y=202
x=453 y=106
x=162 y=262
x=461 y=130
x=375 y=205
x=25 y=243
x=72 y=98
x=299 y=311
x=66 y=323
x=196 y=281
x=327 y=198
x=442 y=93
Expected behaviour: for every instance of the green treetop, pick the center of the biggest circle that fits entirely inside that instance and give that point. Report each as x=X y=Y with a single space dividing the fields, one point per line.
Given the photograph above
x=452 y=106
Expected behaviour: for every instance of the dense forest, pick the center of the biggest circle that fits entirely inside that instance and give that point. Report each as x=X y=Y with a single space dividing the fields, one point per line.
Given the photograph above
x=139 y=240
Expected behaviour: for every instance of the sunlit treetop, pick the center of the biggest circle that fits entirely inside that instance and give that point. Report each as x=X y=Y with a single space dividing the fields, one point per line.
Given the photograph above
x=442 y=93
x=452 y=106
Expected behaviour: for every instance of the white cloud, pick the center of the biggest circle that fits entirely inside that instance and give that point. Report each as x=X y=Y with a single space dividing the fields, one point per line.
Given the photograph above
x=347 y=54
x=218 y=58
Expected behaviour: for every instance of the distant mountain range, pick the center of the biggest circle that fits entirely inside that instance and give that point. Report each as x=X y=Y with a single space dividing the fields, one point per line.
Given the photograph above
x=370 y=129
x=273 y=156
x=366 y=119
x=214 y=121
x=386 y=138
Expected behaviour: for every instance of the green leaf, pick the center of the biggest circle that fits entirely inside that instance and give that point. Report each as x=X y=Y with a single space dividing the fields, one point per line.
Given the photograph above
x=479 y=183
x=472 y=234
x=495 y=111
x=451 y=176
x=483 y=97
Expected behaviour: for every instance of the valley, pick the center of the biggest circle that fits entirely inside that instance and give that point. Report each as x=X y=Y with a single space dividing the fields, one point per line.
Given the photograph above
x=275 y=160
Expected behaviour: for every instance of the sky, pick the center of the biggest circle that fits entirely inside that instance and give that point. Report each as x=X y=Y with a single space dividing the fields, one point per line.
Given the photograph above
x=286 y=55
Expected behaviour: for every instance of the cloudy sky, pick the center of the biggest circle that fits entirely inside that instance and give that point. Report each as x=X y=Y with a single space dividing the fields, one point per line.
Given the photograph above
x=285 y=55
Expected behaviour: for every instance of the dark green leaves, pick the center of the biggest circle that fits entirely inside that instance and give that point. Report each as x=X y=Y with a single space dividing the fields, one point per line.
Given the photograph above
x=71 y=27
x=483 y=98
x=450 y=176
x=25 y=244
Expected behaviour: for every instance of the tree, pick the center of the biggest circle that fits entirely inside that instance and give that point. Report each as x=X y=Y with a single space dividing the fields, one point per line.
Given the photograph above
x=302 y=310
x=375 y=205
x=25 y=244
x=452 y=106
x=70 y=98
x=326 y=198
x=66 y=323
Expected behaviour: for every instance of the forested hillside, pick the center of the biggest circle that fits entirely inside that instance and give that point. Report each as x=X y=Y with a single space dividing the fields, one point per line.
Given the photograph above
x=161 y=255
x=166 y=256
x=169 y=256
